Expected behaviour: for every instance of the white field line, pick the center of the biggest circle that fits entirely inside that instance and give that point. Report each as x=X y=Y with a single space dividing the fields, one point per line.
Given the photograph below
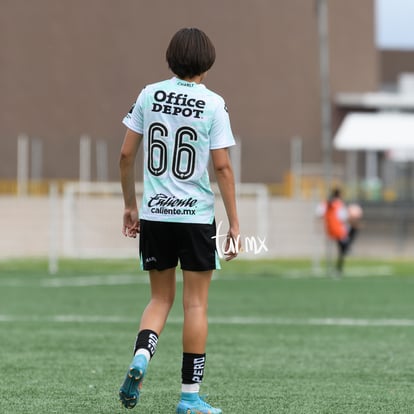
x=79 y=281
x=114 y=280
x=369 y=271
x=353 y=271
x=231 y=320
x=84 y=281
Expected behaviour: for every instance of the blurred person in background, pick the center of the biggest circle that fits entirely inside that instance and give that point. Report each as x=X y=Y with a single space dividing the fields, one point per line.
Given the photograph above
x=341 y=224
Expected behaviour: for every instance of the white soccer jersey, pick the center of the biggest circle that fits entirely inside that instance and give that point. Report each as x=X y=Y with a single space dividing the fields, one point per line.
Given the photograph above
x=180 y=122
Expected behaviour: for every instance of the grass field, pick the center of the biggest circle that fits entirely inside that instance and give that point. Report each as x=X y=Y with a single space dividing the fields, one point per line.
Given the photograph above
x=281 y=340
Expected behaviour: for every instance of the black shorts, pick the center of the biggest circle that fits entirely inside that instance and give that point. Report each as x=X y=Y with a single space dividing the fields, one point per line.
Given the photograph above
x=345 y=244
x=162 y=244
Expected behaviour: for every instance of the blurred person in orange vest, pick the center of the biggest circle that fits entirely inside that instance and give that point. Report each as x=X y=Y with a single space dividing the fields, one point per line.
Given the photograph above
x=341 y=224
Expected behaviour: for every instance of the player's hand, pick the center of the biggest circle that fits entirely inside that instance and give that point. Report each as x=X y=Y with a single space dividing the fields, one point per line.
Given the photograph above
x=233 y=244
x=130 y=227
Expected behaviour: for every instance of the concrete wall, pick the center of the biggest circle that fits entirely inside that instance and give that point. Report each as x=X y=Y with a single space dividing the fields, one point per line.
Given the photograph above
x=393 y=63
x=28 y=225
x=74 y=67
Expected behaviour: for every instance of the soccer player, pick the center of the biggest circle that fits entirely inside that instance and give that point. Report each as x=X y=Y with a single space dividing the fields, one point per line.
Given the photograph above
x=182 y=125
x=340 y=226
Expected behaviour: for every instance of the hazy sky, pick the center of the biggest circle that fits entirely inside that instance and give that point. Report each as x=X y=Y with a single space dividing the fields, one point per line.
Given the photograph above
x=395 y=24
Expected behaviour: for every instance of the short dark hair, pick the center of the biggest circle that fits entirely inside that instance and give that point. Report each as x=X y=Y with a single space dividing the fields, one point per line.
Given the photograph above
x=336 y=192
x=190 y=53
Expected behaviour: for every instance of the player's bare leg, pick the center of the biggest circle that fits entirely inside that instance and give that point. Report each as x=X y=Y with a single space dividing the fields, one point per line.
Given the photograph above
x=162 y=298
x=152 y=323
x=195 y=303
x=195 y=330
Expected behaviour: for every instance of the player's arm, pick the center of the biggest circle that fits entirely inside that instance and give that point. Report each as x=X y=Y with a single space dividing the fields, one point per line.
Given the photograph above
x=129 y=149
x=225 y=180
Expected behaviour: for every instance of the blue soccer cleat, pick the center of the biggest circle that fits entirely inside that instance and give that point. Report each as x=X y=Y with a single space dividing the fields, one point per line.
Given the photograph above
x=129 y=391
x=192 y=403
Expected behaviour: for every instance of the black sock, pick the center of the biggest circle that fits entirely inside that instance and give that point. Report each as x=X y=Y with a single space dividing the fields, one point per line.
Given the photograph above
x=192 y=370
x=148 y=340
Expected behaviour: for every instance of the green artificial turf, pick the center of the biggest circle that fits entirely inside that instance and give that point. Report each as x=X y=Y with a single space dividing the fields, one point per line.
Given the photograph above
x=282 y=339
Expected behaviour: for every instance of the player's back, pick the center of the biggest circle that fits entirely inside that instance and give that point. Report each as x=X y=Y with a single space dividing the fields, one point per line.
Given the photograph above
x=181 y=122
